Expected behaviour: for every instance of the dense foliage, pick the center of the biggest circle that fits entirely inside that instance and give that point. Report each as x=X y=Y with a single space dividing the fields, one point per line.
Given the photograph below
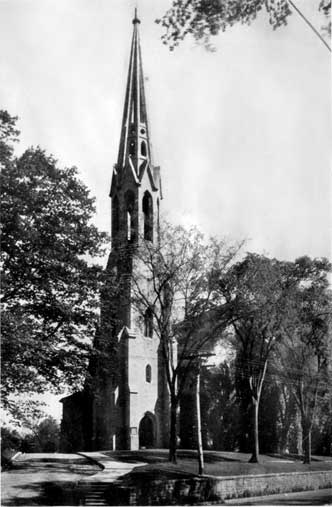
x=43 y=436
x=276 y=391
x=206 y=18
x=50 y=289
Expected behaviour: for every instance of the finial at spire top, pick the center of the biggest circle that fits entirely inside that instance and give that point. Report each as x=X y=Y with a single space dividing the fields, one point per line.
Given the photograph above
x=136 y=20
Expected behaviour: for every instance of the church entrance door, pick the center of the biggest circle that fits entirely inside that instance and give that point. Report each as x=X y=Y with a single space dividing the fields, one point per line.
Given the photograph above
x=146 y=432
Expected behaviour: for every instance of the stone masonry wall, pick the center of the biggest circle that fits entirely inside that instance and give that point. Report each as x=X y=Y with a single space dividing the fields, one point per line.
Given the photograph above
x=152 y=491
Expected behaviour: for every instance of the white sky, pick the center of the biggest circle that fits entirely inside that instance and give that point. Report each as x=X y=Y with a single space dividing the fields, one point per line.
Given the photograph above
x=242 y=135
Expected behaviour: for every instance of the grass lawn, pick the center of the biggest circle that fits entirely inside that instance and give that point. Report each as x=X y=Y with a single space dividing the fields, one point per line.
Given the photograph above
x=216 y=463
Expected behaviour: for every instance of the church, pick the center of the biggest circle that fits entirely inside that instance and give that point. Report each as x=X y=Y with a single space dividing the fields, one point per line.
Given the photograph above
x=124 y=404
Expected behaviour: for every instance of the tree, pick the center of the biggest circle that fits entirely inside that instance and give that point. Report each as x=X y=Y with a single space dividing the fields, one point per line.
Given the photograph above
x=11 y=442
x=219 y=407
x=305 y=353
x=205 y=18
x=47 y=435
x=325 y=8
x=175 y=283
x=42 y=436
x=286 y=415
x=254 y=292
x=49 y=287
x=8 y=135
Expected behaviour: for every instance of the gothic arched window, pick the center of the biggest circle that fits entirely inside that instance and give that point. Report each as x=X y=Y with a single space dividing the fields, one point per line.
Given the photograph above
x=148 y=323
x=143 y=149
x=148 y=373
x=115 y=216
x=130 y=208
x=148 y=216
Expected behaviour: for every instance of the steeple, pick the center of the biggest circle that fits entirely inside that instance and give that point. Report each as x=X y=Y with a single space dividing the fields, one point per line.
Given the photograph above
x=134 y=140
x=136 y=184
x=127 y=404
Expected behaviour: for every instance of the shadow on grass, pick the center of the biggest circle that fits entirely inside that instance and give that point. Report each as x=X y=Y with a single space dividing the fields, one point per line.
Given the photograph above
x=219 y=468
x=188 y=458
x=299 y=457
x=152 y=456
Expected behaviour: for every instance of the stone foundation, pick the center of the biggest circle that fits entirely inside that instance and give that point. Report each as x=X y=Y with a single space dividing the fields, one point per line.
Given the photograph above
x=258 y=485
x=194 y=490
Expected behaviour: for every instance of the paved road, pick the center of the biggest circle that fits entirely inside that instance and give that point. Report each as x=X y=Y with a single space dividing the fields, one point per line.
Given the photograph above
x=319 y=497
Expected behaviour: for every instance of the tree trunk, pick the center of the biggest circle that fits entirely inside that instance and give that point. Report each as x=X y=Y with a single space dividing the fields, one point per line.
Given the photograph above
x=255 y=453
x=256 y=396
x=199 y=427
x=173 y=430
x=306 y=442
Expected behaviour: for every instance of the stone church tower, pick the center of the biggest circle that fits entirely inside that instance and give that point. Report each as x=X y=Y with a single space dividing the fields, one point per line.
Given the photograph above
x=125 y=402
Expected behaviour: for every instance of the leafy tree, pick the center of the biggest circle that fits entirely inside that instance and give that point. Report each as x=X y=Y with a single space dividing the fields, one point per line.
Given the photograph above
x=325 y=8
x=8 y=135
x=269 y=411
x=10 y=439
x=175 y=282
x=305 y=353
x=219 y=407
x=205 y=18
x=11 y=442
x=254 y=292
x=322 y=425
x=278 y=413
x=42 y=436
x=49 y=288
x=47 y=435
x=286 y=415
x=269 y=416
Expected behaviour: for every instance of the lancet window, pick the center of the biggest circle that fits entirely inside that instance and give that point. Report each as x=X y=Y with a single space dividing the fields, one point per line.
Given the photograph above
x=148 y=323
x=148 y=373
x=148 y=216
x=130 y=208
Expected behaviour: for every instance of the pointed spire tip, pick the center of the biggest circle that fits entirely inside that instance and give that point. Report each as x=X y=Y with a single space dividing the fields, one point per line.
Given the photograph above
x=136 y=19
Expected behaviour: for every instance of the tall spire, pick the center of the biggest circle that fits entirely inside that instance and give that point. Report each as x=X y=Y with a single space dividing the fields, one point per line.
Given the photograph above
x=136 y=20
x=134 y=141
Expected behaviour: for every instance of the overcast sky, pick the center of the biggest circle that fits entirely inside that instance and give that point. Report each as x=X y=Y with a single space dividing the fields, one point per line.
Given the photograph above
x=242 y=135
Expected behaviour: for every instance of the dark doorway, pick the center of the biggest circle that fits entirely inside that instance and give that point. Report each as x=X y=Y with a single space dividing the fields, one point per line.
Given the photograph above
x=146 y=432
